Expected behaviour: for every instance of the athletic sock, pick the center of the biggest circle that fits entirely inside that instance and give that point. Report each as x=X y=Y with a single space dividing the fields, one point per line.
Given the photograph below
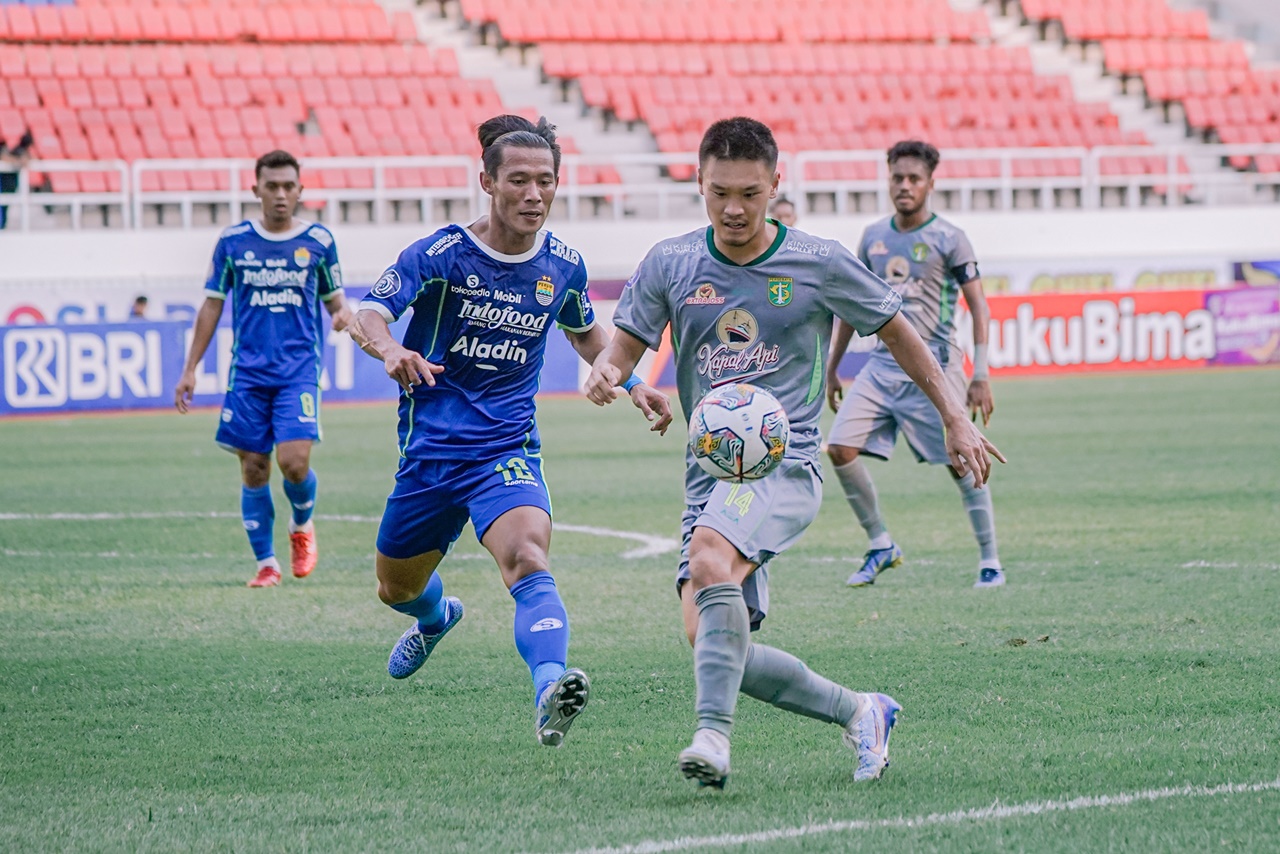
x=541 y=629
x=259 y=515
x=977 y=502
x=303 y=498
x=719 y=654
x=780 y=679
x=429 y=608
x=860 y=492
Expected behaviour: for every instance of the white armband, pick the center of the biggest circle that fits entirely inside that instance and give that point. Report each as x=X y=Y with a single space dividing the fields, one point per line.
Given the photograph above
x=981 y=370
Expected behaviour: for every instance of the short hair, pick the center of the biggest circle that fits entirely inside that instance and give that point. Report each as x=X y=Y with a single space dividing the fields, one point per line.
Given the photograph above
x=739 y=138
x=141 y=299
x=510 y=131
x=275 y=160
x=781 y=200
x=922 y=151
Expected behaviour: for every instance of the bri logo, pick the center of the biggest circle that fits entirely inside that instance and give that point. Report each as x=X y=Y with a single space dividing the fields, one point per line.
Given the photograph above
x=546 y=624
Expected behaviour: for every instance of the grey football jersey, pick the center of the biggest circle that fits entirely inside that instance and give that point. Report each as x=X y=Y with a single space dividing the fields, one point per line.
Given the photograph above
x=768 y=322
x=926 y=266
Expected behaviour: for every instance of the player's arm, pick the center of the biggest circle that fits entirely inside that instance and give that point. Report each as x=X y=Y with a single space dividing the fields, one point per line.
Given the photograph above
x=616 y=361
x=840 y=339
x=979 y=397
x=654 y=404
x=339 y=311
x=202 y=333
x=967 y=448
x=407 y=367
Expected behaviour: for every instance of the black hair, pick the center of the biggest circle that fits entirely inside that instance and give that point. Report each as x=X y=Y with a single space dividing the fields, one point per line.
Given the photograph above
x=739 y=138
x=922 y=151
x=275 y=160
x=510 y=131
x=141 y=299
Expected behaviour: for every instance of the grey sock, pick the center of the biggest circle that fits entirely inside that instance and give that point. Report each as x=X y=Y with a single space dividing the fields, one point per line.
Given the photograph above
x=782 y=680
x=860 y=492
x=719 y=653
x=982 y=516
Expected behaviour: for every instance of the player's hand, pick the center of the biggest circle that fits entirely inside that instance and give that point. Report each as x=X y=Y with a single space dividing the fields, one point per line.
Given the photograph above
x=342 y=318
x=835 y=391
x=601 y=387
x=970 y=451
x=183 y=392
x=979 y=400
x=410 y=369
x=655 y=405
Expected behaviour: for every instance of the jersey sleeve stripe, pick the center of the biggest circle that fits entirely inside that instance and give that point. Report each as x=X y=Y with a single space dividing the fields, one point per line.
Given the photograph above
x=587 y=328
x=371 y=305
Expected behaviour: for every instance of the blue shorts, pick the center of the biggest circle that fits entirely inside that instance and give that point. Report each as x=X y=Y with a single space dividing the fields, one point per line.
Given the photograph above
x=257 y=418
x=433 y=499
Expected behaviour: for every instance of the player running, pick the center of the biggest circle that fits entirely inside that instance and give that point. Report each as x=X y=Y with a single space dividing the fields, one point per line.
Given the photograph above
x=484 y=298
x=277 y=270
x=928 y=261
x=776 y=290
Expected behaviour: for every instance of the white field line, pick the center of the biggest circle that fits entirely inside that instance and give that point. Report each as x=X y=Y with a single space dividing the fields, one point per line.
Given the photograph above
x=995 y=812
x=650 y=546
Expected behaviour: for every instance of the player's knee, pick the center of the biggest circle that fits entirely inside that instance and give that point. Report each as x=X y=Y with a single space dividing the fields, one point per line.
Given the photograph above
x=255 y=470
x=395 y=593
x=841 y=455
x=706 y=568
x=524 y=561
x=294 y=471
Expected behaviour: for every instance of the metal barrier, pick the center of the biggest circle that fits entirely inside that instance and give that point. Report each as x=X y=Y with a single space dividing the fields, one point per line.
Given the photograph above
x=649 y=186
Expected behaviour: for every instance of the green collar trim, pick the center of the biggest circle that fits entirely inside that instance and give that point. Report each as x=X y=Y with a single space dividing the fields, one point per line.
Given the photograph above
x=765 y=256
x=893 y=223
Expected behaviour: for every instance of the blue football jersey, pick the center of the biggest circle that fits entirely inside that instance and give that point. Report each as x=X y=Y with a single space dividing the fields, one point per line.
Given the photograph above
x=484 y=316
x=276 y=283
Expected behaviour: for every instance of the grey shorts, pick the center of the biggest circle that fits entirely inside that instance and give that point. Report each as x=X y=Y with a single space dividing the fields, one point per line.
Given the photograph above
x=878 y=405
x=762 y=519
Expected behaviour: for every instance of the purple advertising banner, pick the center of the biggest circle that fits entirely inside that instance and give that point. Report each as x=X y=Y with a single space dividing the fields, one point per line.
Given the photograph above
x=1246 y=325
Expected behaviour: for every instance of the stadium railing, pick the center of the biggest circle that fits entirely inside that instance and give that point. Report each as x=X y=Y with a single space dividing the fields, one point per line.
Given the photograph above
x=839 y=182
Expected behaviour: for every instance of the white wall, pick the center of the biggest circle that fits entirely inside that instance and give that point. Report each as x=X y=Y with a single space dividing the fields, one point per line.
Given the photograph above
x=138 y=259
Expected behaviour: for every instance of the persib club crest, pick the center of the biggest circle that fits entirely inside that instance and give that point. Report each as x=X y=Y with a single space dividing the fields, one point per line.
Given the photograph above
x=302 y=257
x=545 y=291
x=919 y=252
x=780 y=290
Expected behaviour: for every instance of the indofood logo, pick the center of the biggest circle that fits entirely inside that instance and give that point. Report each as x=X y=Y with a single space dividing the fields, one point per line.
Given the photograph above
x=275 y=277
x=504 y=317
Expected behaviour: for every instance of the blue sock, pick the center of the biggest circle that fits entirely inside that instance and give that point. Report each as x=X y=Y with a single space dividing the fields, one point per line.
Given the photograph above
x=429 y=608
x=541 y=629
x=259 y=514
x=303 y=498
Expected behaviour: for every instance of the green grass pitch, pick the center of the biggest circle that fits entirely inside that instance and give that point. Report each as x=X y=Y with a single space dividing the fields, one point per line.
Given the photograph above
x=150 y=702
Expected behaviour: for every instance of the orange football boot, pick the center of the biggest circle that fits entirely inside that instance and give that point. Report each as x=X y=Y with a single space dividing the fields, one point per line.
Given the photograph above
x=268 y=576
x=302 y=552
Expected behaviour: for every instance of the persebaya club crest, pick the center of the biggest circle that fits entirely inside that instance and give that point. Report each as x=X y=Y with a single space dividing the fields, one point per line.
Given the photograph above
x=780 y=291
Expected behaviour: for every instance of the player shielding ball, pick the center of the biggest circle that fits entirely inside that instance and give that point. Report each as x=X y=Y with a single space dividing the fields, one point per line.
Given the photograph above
x=750 y=300
x=929 y=262
x=277 y=272
x=484 y=298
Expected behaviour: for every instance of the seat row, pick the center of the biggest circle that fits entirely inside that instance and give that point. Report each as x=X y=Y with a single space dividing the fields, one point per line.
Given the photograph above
x=1130 y=56
x=212 y=92
x=725 y=21
x=331 y=22
x=225 y=60
x=570 y=60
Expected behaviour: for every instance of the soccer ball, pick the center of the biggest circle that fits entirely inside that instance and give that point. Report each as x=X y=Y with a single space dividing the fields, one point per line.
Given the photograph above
x=738 y=432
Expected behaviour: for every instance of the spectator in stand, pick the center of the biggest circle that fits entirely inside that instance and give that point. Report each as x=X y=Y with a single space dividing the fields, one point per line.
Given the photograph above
x=138 y=311
x=12 y=161
x=784 y=211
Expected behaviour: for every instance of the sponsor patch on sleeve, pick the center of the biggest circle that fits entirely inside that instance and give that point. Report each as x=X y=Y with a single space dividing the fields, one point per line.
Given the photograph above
x=388 y=285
